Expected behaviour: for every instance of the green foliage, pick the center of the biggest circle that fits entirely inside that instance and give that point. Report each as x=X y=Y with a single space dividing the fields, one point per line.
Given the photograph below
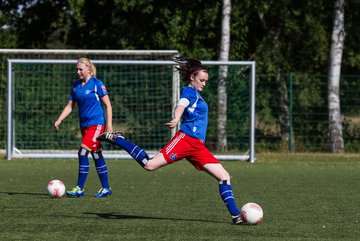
x=351 y=56
x=282 y=36
x=141 y=100
x=40 y=24
x=7 y=40
x=237 y=126
x=137 y=101
x=292 y=36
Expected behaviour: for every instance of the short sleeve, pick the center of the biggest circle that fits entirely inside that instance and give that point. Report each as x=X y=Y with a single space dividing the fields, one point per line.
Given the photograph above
x=190 y=94
x=101 y=89
x=72 y=96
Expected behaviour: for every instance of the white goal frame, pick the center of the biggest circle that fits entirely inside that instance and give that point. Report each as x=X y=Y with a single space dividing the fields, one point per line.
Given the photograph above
x=13 y=152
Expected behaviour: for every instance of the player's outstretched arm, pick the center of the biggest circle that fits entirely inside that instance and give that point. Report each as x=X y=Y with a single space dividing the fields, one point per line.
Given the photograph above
x=66 y=111
x=179 y=110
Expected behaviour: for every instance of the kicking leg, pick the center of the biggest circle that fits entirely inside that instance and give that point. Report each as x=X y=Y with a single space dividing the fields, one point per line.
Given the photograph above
x=117 y=138
x=135 y=151
x=156 y=162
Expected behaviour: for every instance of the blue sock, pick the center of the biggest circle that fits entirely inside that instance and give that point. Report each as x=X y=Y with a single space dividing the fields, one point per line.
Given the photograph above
x=136 y=152
x=83 y=167
x=101 y=168
x=228 y=197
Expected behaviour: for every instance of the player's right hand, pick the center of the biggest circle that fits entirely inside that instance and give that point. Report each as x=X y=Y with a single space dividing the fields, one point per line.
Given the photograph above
x=56 y=125
x=172 y=123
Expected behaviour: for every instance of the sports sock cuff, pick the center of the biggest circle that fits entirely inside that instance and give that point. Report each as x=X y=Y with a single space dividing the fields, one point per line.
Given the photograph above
x=97 y=155
x=83 y=152
x=225 y=182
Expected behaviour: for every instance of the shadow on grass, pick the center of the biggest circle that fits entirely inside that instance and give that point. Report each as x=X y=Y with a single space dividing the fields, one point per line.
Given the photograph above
x=127 y=217
x=25 y=193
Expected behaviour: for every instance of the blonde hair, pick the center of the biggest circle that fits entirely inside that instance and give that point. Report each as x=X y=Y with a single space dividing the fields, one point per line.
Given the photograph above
x=88 y=63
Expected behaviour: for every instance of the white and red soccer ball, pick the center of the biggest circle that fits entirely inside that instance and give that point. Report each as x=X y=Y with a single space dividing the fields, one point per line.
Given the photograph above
x=56 y=188
x=252 y=213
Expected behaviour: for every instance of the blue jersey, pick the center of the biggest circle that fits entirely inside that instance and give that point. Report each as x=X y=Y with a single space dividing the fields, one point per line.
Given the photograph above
x=195 y=117
x=88 y=99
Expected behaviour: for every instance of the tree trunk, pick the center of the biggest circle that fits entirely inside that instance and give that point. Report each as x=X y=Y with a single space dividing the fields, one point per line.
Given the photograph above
x=273 y=37
x=337 y=45
x=284 y=115
x=222 y=92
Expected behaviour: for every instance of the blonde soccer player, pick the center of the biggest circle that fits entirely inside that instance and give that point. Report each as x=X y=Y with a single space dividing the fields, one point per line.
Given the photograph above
x=89 y=93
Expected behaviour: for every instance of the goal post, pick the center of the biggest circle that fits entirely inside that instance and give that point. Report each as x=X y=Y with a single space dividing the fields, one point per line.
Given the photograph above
x=143 y=94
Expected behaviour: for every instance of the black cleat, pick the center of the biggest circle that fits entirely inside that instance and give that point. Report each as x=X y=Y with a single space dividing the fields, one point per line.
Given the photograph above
x=237 y=219
x=110 y=136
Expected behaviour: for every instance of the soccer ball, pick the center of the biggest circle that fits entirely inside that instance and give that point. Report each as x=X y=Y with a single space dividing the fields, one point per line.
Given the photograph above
x=56 y=188
x=251 y=214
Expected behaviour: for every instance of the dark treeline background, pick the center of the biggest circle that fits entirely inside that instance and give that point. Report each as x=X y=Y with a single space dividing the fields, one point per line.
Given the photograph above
x=284 y=37
x=281 y=35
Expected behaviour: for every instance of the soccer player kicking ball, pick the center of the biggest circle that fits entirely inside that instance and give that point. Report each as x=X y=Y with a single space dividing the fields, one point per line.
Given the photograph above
x=189 y=141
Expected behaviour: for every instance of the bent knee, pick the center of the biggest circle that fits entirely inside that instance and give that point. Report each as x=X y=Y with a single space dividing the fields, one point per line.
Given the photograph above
x=225 y=176
x=155 y=163
x=222 y=176
x=150 y=167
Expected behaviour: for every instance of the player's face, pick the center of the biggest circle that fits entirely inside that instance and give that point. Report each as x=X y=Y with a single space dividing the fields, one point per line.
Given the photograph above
x=199 y=80
x=83 y=71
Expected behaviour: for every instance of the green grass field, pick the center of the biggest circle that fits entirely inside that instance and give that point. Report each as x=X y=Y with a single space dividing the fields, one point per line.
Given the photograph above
x=304 y=197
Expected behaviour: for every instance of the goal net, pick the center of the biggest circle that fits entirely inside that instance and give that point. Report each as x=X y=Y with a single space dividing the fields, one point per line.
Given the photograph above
x=143 y=94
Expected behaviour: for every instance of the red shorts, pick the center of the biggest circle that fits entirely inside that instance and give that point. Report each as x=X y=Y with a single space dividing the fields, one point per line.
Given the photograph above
x=192 y=149
x=90 y=134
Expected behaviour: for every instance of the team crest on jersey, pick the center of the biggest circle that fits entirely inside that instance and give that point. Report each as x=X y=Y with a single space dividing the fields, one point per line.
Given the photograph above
x=103 y=87
x=87 y=92
x=173 y=156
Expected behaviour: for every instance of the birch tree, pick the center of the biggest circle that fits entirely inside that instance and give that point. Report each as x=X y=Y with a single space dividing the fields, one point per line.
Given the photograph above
x=337 y=45
x=223 y=71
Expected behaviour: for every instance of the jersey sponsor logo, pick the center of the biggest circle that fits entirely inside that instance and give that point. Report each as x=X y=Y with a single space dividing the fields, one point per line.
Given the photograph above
x=87 y=92
x=103 y=87
x=172 y=156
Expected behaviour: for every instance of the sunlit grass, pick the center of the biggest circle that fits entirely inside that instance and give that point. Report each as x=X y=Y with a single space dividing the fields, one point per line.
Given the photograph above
x=304 y=197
